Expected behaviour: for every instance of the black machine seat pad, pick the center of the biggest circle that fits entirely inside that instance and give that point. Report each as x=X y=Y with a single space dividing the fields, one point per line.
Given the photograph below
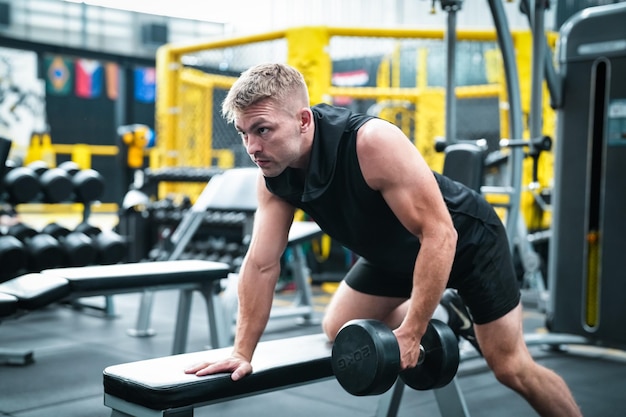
x=161 y=383
x=140 y=275
x=8 y=304
x=35 y=291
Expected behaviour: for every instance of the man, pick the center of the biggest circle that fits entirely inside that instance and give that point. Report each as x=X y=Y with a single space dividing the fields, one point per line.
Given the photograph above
x=416 y=232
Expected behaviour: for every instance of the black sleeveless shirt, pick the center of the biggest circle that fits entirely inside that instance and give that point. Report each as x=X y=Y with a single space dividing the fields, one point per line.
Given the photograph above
x=335 y=195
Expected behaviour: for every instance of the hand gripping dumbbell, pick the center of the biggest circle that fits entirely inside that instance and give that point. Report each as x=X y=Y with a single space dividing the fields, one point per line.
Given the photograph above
x=366 y=358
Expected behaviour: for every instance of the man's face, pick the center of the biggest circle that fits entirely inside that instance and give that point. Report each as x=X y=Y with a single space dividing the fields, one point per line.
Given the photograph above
x=271 y=135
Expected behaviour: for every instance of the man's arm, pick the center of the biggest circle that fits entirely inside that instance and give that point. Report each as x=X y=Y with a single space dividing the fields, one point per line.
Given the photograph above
x=392 y=165
x=257 y=280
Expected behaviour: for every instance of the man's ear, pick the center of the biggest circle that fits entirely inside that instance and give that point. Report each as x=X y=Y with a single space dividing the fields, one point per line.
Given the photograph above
x=306 y=119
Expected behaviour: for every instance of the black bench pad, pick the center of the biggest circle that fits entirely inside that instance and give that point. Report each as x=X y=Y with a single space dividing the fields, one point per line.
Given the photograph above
x=34 y=291
x=8 y=305
x=137 y=276
x=161 y=383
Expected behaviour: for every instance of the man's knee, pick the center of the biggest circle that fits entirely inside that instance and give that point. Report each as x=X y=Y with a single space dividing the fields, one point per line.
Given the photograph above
x=513 y=370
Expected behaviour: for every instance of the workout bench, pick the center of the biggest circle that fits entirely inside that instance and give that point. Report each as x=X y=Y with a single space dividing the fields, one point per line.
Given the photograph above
x=36 y=290
x=159 y=387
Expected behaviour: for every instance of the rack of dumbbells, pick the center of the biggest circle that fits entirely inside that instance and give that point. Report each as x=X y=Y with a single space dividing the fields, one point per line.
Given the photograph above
x=219 y=237
x=24 y=248
x=215 y=235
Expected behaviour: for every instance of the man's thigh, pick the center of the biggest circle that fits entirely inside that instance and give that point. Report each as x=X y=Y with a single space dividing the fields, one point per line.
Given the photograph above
x=348 y=304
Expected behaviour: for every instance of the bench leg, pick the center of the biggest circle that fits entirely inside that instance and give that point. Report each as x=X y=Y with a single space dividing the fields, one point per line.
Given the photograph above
x=389 y=402
x=142 y=327
x=219 y=322
x=219 y=331
x=303 y=304
x=301 y=276
x=451 y=401
x=181 y=332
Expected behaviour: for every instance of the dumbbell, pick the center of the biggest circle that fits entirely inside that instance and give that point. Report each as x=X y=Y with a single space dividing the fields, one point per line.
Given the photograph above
x=13 y=256
x=55 y=183
x=111 y=246
x=78 y=247
x=42 y=250
x=88 y=184
x=21 y=184
x=366 y=358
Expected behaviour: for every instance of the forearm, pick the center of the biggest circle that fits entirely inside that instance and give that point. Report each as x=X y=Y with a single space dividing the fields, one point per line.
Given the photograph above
x=256 y=293
x=430 y=277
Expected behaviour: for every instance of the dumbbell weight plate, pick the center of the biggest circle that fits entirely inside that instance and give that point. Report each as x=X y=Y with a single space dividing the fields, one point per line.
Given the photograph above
x=365 y=357
x=22 y=185
x=12 y=255
x=88 y=185
x=78 y=247
x=44 y=252
x=56 y=185
x=441 y=359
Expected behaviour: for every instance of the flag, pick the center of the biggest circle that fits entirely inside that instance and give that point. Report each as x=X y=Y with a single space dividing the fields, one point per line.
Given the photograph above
x=145 y=84
x=59 y=75
x=89 y=78
x=111 y=70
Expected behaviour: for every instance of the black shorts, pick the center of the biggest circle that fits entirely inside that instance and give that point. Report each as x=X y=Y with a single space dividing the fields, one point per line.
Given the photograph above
x=482 y=272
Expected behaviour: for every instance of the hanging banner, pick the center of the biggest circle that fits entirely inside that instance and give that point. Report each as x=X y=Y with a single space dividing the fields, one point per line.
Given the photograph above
x=145 y=84
x=59 y=75
x=89 y=78
x=111 y=70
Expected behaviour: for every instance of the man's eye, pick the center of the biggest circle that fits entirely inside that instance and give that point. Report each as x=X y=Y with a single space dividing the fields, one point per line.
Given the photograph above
x=263 y=130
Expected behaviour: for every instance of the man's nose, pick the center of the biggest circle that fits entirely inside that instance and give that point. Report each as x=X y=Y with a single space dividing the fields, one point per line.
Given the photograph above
x=253 y=146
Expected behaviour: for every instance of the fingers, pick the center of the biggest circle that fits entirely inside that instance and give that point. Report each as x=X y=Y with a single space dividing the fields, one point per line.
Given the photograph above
x=238 y=368
x=409 y=352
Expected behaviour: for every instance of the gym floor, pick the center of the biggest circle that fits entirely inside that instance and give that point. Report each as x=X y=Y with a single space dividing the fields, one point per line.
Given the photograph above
x=73 y=345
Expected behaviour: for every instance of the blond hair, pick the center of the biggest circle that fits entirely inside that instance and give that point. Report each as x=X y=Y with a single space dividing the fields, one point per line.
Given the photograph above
x=278 y=82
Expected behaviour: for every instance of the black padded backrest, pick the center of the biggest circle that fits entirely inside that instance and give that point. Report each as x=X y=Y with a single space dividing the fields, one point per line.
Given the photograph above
x=464 y=162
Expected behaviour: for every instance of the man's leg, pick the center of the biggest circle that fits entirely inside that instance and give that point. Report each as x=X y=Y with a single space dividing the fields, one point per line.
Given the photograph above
x=503 y=346
x=347 y=304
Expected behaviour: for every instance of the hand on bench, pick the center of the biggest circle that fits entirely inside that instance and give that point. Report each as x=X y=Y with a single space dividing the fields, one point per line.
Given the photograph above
x=237 y=367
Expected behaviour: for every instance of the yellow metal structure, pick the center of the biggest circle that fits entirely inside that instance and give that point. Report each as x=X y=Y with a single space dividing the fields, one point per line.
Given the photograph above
x=193 y=78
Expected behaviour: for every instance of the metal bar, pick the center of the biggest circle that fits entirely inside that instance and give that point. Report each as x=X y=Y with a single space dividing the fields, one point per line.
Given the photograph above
x=515 y=111
x=181 y=331
x=450 y=114
x=389 y=402
x=451 y=401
